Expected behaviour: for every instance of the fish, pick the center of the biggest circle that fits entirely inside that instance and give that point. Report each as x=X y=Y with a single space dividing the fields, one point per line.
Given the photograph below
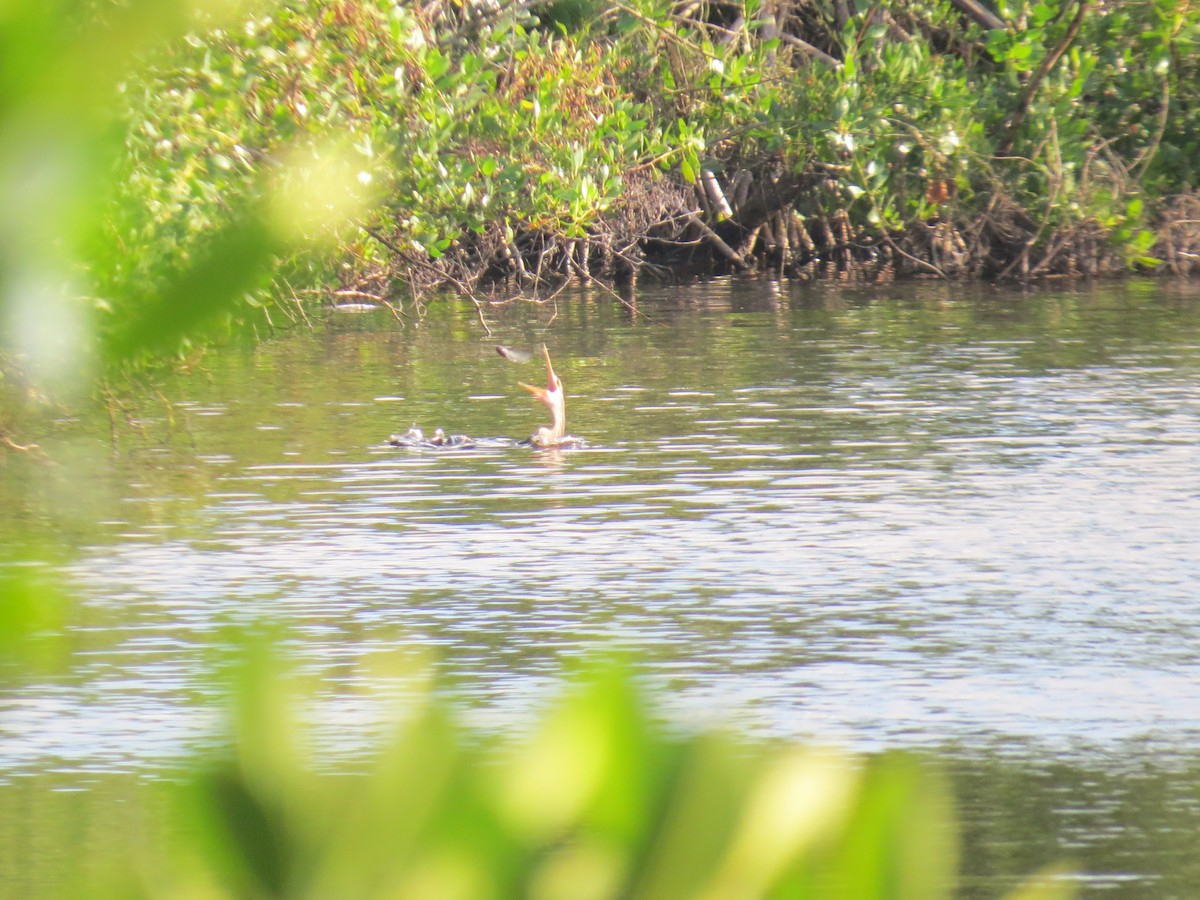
x=517 y=356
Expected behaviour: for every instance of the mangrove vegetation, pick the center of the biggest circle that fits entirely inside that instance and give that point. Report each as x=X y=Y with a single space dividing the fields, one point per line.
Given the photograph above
x=174 y=167
x=495 y=146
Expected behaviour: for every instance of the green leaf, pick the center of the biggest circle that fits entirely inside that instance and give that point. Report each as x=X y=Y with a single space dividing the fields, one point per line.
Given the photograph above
x=1056 y=882
x=33 y=612
x=690 y=164
x=196 y=295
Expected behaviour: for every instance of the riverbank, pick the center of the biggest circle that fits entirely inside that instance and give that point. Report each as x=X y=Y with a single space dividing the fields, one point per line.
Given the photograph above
x=205 y=171
x=488 y=149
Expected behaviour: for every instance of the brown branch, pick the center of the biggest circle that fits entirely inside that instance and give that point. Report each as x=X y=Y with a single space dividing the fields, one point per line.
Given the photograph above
x=815 y=52
x=913 y=258
x=980 y=14
x=717 y=242
x=1018 y=117
x=479 y=312
x=357 y=295
x=379 y=237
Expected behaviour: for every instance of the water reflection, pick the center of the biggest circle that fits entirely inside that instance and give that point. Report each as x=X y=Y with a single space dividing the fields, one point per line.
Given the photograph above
x=908 y=520
x=935 y=502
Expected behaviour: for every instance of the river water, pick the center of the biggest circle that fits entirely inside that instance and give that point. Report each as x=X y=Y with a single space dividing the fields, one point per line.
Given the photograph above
x=961 y=520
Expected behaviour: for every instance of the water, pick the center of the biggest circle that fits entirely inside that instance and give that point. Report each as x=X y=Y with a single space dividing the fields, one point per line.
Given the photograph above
x=959 y=520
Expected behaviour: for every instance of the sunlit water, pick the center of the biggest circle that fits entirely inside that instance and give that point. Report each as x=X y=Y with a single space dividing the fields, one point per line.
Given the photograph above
x=964 y=521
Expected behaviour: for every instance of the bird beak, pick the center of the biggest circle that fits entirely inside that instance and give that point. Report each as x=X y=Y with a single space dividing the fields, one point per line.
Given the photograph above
x=541 y=393
x=550 y=376
x=552 y=382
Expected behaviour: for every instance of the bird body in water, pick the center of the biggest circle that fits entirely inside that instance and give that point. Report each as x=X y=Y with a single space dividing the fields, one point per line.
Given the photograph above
x=415 y=437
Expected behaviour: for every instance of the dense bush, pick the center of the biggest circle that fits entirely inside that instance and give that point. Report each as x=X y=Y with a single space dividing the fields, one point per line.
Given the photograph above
x=541 y=142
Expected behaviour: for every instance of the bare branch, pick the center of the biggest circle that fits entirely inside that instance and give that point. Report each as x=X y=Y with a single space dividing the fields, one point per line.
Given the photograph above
x=1018 y=117
x=815 y=52
x=981 y=14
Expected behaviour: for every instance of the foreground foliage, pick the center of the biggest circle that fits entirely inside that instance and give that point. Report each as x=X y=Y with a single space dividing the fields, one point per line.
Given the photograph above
x=597 y=801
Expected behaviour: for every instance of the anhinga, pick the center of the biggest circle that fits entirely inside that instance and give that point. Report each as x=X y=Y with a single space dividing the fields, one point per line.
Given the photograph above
x=553 y=436
x=552 y=395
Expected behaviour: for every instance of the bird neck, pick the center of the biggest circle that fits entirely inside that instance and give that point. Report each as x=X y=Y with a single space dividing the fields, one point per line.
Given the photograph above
x=558 y=413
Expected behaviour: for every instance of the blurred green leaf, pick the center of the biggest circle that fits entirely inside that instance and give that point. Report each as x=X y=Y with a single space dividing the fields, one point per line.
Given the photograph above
x=599 y=802
x=33 y=616
x=198 y=295
x=1057 y=882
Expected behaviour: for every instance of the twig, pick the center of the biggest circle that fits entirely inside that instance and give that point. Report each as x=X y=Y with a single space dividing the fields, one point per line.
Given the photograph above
x=1018 y=117
x=657 y=26
x=716 y=240
x=296 y=302
x=379 y=237
x=980 y=14
x=815 y=52
x=20 y=448
x=916 y=259
x=357 y=295
x=479 y=312
x=1055 y=249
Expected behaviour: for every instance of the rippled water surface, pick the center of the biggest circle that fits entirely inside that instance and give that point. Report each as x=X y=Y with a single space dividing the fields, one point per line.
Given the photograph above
x=966 y=521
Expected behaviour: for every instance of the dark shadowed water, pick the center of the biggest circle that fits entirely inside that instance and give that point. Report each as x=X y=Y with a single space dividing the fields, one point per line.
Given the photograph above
x=955 y=519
